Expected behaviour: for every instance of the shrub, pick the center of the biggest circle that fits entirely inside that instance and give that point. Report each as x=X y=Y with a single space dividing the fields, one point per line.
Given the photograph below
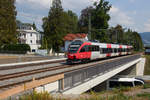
x=145 y=86
x=15 y=48
x=145 y=95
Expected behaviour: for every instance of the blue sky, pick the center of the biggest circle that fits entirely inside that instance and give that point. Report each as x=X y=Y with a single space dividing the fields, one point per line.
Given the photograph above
x=132 y=14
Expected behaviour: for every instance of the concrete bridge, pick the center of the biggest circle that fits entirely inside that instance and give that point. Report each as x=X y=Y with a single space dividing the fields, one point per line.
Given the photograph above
x=80 y=80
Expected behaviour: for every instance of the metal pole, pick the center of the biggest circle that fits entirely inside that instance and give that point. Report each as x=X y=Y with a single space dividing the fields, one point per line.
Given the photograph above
x=116 y=36
x=89 y=31
x=51 y=2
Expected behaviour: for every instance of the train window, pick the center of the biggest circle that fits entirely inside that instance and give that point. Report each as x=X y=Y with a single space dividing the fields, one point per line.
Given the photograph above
x=83 y=49
x=115 y=50
x=104 y=50
x=125 y=50
x=77 y=42
x=73 y=49
x=120 y=49
x=90 y=48
x=94 y=48
x=86 y=48
x=108 y=50
x=98 y=49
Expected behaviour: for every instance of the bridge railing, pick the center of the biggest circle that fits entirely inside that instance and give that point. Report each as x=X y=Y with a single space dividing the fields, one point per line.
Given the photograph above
x=74 y=78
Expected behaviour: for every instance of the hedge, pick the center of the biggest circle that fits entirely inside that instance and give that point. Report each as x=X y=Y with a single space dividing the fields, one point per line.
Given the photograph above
x=15 y=48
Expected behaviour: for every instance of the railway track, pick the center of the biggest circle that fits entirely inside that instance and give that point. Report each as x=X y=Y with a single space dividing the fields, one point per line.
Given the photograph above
x=20 y=74
x=13 y=79
x=31 y=69
x=15 y=66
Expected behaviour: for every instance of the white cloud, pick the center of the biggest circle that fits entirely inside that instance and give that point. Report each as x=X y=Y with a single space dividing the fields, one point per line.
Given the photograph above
x=134 y=12
x=132 y=1
x=40 y=5
x=147 y=26
x=37 y=3
x=30 y=18
x=71 y=4
x=120 y=17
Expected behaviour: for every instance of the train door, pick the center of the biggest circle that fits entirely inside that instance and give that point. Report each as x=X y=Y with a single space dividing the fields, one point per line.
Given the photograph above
x=84 y=52
x=95 y=50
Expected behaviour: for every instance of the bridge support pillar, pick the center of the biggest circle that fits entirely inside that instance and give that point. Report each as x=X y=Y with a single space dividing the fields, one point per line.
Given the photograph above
x=61 y=85
x=140 y=67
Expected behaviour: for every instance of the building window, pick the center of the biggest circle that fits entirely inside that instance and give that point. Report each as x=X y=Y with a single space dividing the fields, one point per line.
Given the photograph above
x=33 y=50
x=31 y=34
x=30 y=41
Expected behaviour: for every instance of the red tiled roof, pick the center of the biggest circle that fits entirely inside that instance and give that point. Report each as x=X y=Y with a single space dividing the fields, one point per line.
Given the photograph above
x=71 y=36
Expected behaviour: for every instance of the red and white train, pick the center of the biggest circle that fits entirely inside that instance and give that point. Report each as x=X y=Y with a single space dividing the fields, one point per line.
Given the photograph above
x=82 y=50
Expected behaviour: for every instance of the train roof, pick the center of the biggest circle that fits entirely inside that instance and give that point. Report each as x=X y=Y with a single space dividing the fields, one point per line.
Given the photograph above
x=103 y=44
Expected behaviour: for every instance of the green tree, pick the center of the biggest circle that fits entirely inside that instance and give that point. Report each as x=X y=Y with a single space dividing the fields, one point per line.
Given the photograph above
x=113 y=35
x=84 y=19
x=72 y=22
x=34 y=26
x=57 y=25
x=101 y=15
x=99 y=20
x=119 y=34
x=53 y=26
x=7 y=22
x=137 y=41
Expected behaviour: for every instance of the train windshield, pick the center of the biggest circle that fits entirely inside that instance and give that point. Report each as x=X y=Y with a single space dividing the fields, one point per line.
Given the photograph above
x=74 y=46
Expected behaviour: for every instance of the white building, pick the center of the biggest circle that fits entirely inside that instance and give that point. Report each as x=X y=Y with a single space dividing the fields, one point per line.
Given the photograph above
x=30 y=37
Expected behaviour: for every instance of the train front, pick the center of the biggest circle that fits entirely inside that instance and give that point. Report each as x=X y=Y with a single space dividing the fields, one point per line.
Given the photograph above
x=73 y=49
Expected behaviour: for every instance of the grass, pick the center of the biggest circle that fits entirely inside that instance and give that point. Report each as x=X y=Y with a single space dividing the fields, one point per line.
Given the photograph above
x=119 y=96
x=145 y=86
x=115 y=94
x=147 y=65
x=93 y=96
x=39 y=96
x=126 y=89
x=144 y=95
